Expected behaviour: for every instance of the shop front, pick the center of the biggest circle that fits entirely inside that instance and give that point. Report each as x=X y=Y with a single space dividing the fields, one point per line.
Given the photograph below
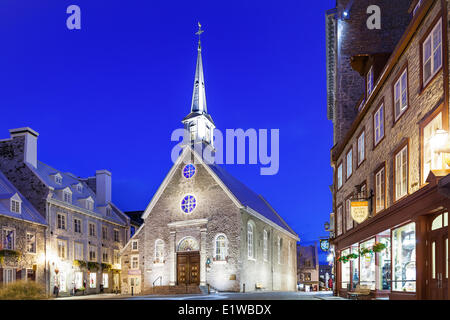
x=413 y=263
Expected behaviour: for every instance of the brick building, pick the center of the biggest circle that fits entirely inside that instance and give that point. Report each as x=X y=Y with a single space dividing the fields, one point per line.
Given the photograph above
x=85 y=230
x=204 y=227
x=387 y=152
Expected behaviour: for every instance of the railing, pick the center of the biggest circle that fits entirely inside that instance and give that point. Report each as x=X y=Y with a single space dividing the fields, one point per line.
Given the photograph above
x=160 y=281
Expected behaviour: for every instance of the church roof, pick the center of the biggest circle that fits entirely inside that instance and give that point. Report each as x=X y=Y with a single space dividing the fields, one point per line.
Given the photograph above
x=248 y=197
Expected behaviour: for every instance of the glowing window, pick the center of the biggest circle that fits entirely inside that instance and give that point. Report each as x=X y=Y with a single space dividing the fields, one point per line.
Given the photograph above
x=188 y=204
x=189 y=171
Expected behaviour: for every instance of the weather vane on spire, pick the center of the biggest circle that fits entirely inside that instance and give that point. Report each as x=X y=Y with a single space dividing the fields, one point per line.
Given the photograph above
x=199 y=33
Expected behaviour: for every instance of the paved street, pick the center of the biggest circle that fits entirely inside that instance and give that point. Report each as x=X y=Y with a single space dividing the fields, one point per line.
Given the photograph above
x=220 y=296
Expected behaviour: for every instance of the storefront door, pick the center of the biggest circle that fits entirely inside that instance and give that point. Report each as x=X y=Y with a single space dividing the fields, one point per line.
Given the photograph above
x=135 y=285
x=438 y=264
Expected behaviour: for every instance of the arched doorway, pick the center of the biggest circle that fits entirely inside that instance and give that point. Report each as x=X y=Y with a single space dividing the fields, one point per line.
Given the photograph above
x=437 y=273
x=188 y=261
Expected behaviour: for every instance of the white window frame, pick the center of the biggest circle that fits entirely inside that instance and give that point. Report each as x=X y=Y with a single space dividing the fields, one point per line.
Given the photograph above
x=116 y=235
x=58 y=178
x=6 y=278
x=348 y=216
x=369 y=82
x=361 y=147
x=67 y=196
x=61 y=243
x=116 y=257
x=78 y=250
x=89 y=205
x=402 y=89
x=349 y=163
x=105 y=252
x=220 y=255
x=250 y=241
x=431 y=160
x=13 y=244
x=135 y=245
x=61 y=224
x=401 y=157
x=159 y=251
x=430 y=38
x=16 y=206
x=93 y=249
x=340 y=175
x=31 y=240
x=378 y=124
x=92 y=231
x=380 y=184
x=265 y=245
x=79 y=225
x=339 y=221
x=134 y=262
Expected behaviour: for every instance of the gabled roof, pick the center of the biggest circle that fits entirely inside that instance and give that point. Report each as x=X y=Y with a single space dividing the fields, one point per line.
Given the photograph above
x=46 y=173
x=28 y=212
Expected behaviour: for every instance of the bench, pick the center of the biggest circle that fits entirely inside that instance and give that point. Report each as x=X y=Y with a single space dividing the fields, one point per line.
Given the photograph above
x=360 y=291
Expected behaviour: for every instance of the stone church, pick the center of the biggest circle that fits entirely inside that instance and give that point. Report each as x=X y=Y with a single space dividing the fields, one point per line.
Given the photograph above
x=203 y=227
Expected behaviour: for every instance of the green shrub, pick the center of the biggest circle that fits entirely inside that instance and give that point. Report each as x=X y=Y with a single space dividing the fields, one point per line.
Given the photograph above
x=22 y=290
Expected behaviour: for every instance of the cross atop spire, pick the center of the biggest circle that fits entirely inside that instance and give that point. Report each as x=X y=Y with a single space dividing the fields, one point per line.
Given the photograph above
x=199 y=33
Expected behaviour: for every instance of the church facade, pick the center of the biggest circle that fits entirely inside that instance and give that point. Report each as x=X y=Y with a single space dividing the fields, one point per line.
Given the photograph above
x=203 y=227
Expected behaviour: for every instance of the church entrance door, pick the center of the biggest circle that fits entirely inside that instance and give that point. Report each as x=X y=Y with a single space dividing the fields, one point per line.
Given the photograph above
x=188 y=267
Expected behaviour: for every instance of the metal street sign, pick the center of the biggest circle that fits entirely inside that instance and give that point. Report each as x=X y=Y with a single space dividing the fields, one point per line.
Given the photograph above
x=359 y=211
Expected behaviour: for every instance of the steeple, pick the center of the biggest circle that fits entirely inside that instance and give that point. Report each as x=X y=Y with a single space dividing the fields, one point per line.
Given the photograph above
x=198 y=122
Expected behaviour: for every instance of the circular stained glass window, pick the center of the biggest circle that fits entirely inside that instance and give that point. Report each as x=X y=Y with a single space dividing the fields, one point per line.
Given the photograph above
x=189 y=171
x=188 y=204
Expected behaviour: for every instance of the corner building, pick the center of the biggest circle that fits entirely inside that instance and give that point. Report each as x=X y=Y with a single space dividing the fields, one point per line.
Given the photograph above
x=389 y=155
x=204 y=227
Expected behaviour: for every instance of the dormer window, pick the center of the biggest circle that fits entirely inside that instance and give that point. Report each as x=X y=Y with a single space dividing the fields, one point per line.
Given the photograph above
x=80 y=188
x=369 y=82
x=108 y=211
x=16 y=206
x=67 y=196
x=58 y=178
x=89 y=204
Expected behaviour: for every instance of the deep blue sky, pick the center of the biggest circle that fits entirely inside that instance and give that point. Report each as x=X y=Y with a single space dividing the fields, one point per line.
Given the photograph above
x=109 y=96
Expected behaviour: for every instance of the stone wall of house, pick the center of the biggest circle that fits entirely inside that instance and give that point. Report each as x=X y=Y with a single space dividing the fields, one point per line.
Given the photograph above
x=353 y=38
x=34 y=261
x=421 y=104
x=20 y=175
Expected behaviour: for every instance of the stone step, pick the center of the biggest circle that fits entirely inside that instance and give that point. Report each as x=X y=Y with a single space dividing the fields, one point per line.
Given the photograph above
x=173 y=290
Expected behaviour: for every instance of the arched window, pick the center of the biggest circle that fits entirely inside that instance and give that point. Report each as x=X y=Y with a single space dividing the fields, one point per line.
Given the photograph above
x=265 y=245
x=250 y=241
x=440 y=221
x=279 y=250
x=221 y=244
x=159 y=251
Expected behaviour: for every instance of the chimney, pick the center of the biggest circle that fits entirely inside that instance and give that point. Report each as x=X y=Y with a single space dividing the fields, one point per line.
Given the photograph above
x=103 y=186
x=30 y=148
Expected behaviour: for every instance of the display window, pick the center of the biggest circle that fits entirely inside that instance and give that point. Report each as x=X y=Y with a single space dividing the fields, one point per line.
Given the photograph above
x=355 y=267
x=367 y=265
x=384 y=262
x=345 y=271
x=92 y=280
x=404 y=258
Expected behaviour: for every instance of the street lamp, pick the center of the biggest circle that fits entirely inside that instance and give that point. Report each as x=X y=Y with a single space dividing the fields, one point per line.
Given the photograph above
x=327 y=226
x=440 y=144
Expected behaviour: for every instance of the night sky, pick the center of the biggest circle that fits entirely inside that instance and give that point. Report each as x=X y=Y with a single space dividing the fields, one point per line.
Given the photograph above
x=108 y=96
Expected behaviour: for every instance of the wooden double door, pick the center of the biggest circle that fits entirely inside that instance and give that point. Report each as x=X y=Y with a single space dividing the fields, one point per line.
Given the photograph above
x=188 y=268
x=438 y=264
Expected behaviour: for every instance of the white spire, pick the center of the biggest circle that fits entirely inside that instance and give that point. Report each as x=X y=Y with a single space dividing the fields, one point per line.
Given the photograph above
x=199 y=96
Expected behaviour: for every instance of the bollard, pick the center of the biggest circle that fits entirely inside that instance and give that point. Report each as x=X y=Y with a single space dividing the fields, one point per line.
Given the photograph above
x=243 y=288
x=209 y=289
x=132 y=291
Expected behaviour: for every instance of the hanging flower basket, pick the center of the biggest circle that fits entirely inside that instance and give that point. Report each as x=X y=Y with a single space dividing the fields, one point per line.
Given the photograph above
x=367 y=253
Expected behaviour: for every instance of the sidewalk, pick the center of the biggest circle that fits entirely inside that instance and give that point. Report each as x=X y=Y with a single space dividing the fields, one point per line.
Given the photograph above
x=100 y=296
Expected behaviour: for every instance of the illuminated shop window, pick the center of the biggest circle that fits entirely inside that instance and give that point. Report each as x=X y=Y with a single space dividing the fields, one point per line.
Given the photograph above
x=404 y=258
x=345 y=270
x=384 y=262
x=355 y=267
x=92 y=280
x=188 y=204
x=367 y=266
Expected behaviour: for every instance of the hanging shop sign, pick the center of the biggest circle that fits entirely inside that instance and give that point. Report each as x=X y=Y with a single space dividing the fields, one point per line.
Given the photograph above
x=324 y=244
x=359 y=211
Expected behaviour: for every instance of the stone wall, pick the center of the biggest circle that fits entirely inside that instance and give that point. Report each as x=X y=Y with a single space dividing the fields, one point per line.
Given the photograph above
x=353 y=37
x=407 y=127
x=27 y=260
